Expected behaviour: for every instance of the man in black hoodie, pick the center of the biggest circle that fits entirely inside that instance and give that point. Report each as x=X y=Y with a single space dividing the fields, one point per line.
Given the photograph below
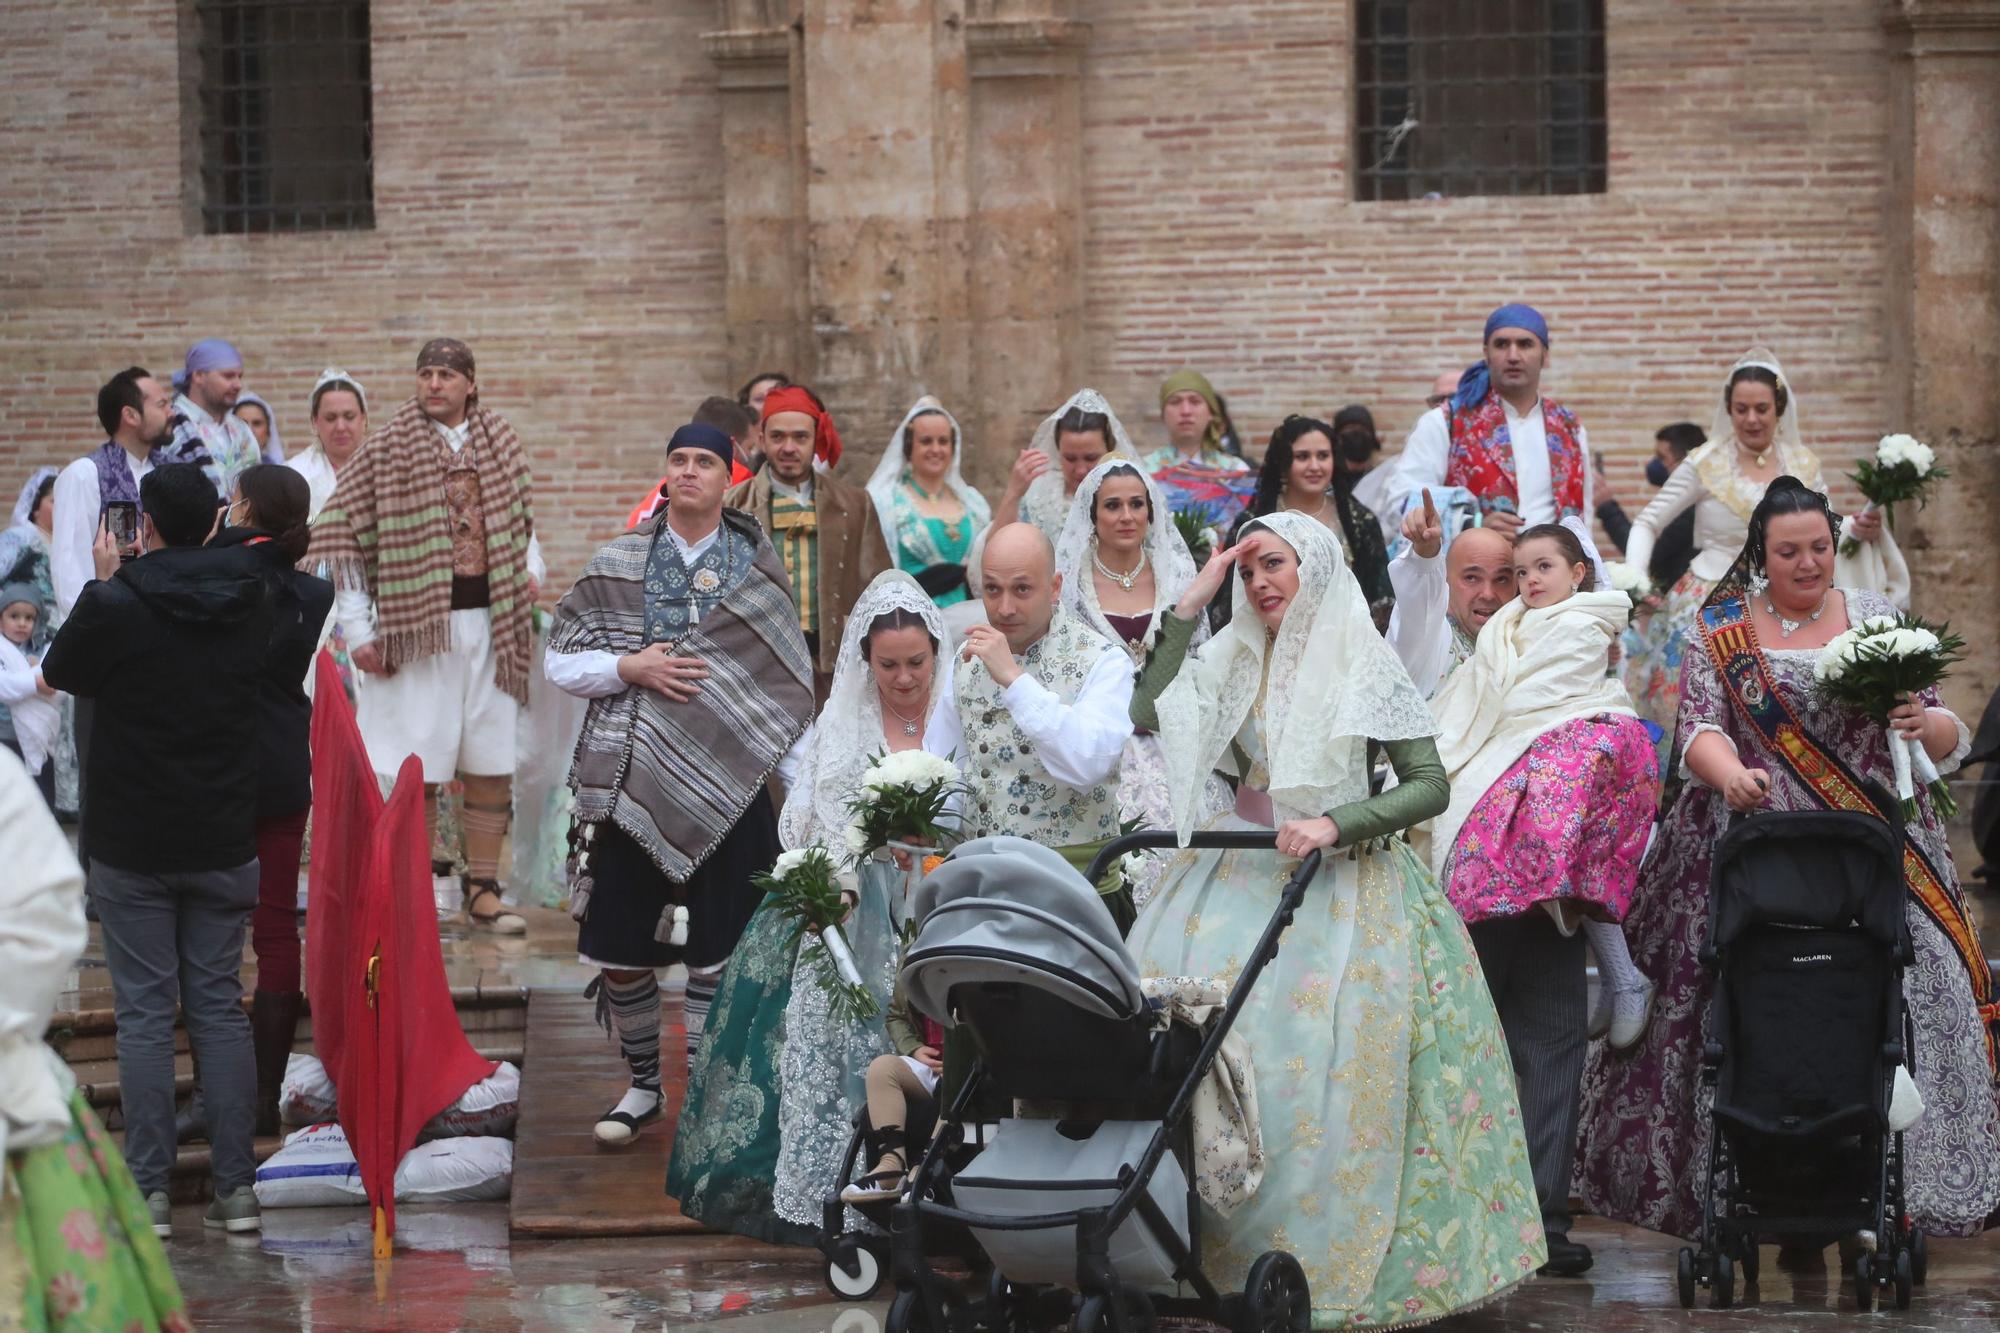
x=171 y=647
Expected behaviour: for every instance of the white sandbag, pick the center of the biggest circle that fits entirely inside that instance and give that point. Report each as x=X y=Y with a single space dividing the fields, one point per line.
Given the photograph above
x=316 y=1169
x=307 y=1097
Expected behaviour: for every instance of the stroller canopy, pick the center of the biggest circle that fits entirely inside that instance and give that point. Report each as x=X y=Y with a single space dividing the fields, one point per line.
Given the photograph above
x=1007 y=909
x=1823 y=868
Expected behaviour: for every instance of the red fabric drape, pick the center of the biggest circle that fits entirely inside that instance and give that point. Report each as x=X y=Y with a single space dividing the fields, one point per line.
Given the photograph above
x=394 y=1048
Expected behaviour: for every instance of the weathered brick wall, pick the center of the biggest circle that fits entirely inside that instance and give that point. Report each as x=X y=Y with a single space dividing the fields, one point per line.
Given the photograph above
x=1748 y=144
x=547 y=186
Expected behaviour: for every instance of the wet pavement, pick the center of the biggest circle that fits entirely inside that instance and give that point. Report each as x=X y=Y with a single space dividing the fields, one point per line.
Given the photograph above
x=456 y=1269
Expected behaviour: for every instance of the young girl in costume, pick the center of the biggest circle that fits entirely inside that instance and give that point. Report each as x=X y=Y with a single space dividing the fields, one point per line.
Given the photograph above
x=1554 y=779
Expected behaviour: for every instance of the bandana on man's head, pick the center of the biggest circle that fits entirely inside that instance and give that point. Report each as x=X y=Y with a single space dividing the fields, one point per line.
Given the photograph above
x=701 y=435
x=1477 y=380
x=449 y=353
x=798 y=398
x=208 y=354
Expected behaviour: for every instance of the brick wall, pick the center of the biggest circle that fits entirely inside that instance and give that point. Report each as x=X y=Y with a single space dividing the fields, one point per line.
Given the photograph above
x=548 y=187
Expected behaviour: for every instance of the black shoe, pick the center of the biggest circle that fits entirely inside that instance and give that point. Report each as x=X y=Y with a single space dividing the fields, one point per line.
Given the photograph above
x=1567 y=1258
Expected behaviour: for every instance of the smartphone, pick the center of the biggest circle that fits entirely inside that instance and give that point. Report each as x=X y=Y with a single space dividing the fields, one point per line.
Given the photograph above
x=122 y=518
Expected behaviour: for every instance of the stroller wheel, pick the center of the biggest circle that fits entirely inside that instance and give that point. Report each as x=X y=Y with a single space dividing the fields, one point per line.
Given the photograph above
x=1751 y=1260
x=1920 y=1258
x=1684 y=1278
x=1905 y=1279
x=1094 y=1315
x=859 y=1277
x=1864 y=1283
x=1275 y=1299
x=1725 y=1282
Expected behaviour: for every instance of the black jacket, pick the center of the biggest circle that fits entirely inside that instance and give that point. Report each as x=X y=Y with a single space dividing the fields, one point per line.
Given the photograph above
x=299 y=605
x=172 y=648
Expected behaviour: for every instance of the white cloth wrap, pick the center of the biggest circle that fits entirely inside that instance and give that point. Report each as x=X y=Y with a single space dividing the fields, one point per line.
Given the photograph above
x=1333 y=684
x=41 y=906
x=1531 y=670
x=1166 y=554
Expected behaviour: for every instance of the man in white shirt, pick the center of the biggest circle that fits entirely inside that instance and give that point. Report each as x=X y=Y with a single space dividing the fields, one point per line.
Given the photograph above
x=134 y=409
x=1523 y=456
x=207 y=430
x=1042 y=712
x=1443 y=598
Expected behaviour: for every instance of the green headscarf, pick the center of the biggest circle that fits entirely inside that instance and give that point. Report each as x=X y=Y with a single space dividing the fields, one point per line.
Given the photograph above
x=1183 y=381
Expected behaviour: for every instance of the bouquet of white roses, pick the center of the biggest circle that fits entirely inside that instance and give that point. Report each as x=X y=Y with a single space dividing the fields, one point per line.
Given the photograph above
x=808 y=891
x=1630 y=580
x=902 y=800
x=1903 y=468
x=1874 y=666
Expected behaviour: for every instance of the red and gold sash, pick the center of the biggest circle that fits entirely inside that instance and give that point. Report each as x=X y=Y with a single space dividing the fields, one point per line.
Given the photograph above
x=1732 y=644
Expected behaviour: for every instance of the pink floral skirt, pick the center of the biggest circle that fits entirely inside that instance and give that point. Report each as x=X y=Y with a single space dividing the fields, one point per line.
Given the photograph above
x=1568 y=820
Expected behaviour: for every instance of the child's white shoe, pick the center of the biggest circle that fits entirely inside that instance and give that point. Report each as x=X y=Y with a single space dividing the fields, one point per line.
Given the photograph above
x=1629 y=1011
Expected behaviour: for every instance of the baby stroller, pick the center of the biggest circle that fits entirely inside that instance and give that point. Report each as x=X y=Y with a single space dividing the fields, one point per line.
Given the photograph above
x=1079 y=1219
x=1807 y=942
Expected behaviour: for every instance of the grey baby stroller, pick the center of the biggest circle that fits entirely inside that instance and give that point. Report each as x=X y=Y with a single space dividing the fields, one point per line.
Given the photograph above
x=1807 y=944
x=1088 y=1216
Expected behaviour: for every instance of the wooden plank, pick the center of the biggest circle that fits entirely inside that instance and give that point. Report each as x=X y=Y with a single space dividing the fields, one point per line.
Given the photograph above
x=565 y=1184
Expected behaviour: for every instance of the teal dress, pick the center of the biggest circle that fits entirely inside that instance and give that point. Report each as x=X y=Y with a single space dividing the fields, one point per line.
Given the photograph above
x=726 y=1144
x=1396 y=1169
x=923 y=542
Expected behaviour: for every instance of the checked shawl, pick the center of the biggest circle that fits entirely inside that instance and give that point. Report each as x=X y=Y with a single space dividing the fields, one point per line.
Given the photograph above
x=676 y=777
x=386 y=531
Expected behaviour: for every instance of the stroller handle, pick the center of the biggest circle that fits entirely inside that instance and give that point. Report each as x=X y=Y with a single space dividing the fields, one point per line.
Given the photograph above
x=1240 y=840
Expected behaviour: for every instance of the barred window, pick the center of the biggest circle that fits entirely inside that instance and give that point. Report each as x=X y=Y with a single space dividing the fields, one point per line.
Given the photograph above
x=1467 y=97
x=286 y=115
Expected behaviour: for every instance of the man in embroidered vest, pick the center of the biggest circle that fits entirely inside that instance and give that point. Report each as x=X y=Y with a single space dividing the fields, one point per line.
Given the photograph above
x=206 y=428
x=1042 y=712
x=429 y=537
x=1441 y=604
x=1524 y=457
x=825 y=530
x=683 y=635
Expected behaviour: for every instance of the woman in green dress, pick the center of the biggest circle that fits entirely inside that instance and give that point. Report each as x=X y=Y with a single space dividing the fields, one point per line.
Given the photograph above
x=1399 y=1174
x=929 y=514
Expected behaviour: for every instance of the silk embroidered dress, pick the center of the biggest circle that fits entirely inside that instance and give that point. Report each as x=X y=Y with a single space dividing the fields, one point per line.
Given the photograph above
x=1399 y=1174
x=1643 y=1142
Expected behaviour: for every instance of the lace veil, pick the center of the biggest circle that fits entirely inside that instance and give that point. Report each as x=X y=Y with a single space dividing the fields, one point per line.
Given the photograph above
x=1715 y=462
x=1333 y=683
x=24 y=508
x=1166 y=553
x=1044 y=505
x=892 y=468
x=849 y=731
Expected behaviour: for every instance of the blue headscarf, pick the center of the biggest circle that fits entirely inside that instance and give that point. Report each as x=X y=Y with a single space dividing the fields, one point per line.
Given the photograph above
x=208 y=354
x=1474 y=383
x=701 y=435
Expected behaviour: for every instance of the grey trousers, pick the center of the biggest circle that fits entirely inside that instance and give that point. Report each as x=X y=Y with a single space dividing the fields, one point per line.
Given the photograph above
x=1536 y=975
x=179 y=938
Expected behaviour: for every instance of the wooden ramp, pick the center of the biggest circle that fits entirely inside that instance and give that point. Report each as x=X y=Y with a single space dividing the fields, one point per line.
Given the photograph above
x=564 y=1183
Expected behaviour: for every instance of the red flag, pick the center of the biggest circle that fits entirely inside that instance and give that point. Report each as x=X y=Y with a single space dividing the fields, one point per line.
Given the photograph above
x=347 y=803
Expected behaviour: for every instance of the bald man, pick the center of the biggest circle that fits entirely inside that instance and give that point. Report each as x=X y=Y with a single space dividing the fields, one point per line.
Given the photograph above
x=1441 y=603
x=1042 y=710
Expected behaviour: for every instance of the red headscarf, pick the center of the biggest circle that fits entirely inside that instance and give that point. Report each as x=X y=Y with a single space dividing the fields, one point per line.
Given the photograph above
x=796 y=398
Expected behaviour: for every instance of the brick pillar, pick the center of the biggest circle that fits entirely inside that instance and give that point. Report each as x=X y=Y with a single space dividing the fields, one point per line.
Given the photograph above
x=1944 y=311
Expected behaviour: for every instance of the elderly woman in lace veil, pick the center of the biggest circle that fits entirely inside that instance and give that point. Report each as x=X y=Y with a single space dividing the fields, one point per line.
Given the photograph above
x=1380 y=1067
x=1124 y=565
x=1759 y=732
x=1071 y=441
x=774 y=1086
x=1755 y=438
x=930 y=514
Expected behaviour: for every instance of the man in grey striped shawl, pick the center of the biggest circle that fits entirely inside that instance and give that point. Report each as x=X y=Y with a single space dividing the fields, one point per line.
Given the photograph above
x=683 y=635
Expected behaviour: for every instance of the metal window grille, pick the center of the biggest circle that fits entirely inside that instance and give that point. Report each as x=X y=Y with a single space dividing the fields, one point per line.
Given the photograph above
x=286 y=116
x=1469 y=97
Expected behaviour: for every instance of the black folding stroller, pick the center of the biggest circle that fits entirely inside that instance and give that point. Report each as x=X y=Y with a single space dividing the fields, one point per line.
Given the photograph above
x=1080 y=1219
x=1807 y=944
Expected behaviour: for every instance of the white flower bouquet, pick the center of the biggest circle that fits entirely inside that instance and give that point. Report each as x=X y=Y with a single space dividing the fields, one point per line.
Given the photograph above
x=807 y=890
x=1630 y=580
x=900 y=807
x=1874 y=666
x=1903 y=468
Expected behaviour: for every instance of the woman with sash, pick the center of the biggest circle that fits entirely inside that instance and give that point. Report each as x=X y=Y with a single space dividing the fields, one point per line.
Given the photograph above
x=930 y=514
x=775 y=1070
x=1643 y=1145
x=1397 y=1172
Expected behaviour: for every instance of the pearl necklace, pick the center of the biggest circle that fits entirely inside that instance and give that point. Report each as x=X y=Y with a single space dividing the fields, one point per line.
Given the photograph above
x=1786 y=628
x=1316 y=514
x=1124 y=581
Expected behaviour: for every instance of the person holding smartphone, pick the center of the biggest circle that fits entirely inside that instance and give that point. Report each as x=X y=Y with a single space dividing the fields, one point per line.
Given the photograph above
x=135 y=410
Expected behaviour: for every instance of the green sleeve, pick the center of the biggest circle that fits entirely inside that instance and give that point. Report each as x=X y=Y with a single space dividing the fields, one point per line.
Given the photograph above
x=1422 y=792
x=902 y=1025
x=1170 y=649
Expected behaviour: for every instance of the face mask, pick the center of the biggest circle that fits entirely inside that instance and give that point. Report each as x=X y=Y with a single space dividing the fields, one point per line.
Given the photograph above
x=1657 y=471
x=1357 y=448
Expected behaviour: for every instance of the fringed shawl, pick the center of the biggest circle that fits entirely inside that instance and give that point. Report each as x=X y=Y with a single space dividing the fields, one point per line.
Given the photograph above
x=387 y=531
x=676 y=777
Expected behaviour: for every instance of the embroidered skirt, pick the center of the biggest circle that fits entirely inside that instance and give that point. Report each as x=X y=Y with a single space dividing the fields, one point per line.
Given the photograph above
x=1653 y=654
x=1569 y=820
